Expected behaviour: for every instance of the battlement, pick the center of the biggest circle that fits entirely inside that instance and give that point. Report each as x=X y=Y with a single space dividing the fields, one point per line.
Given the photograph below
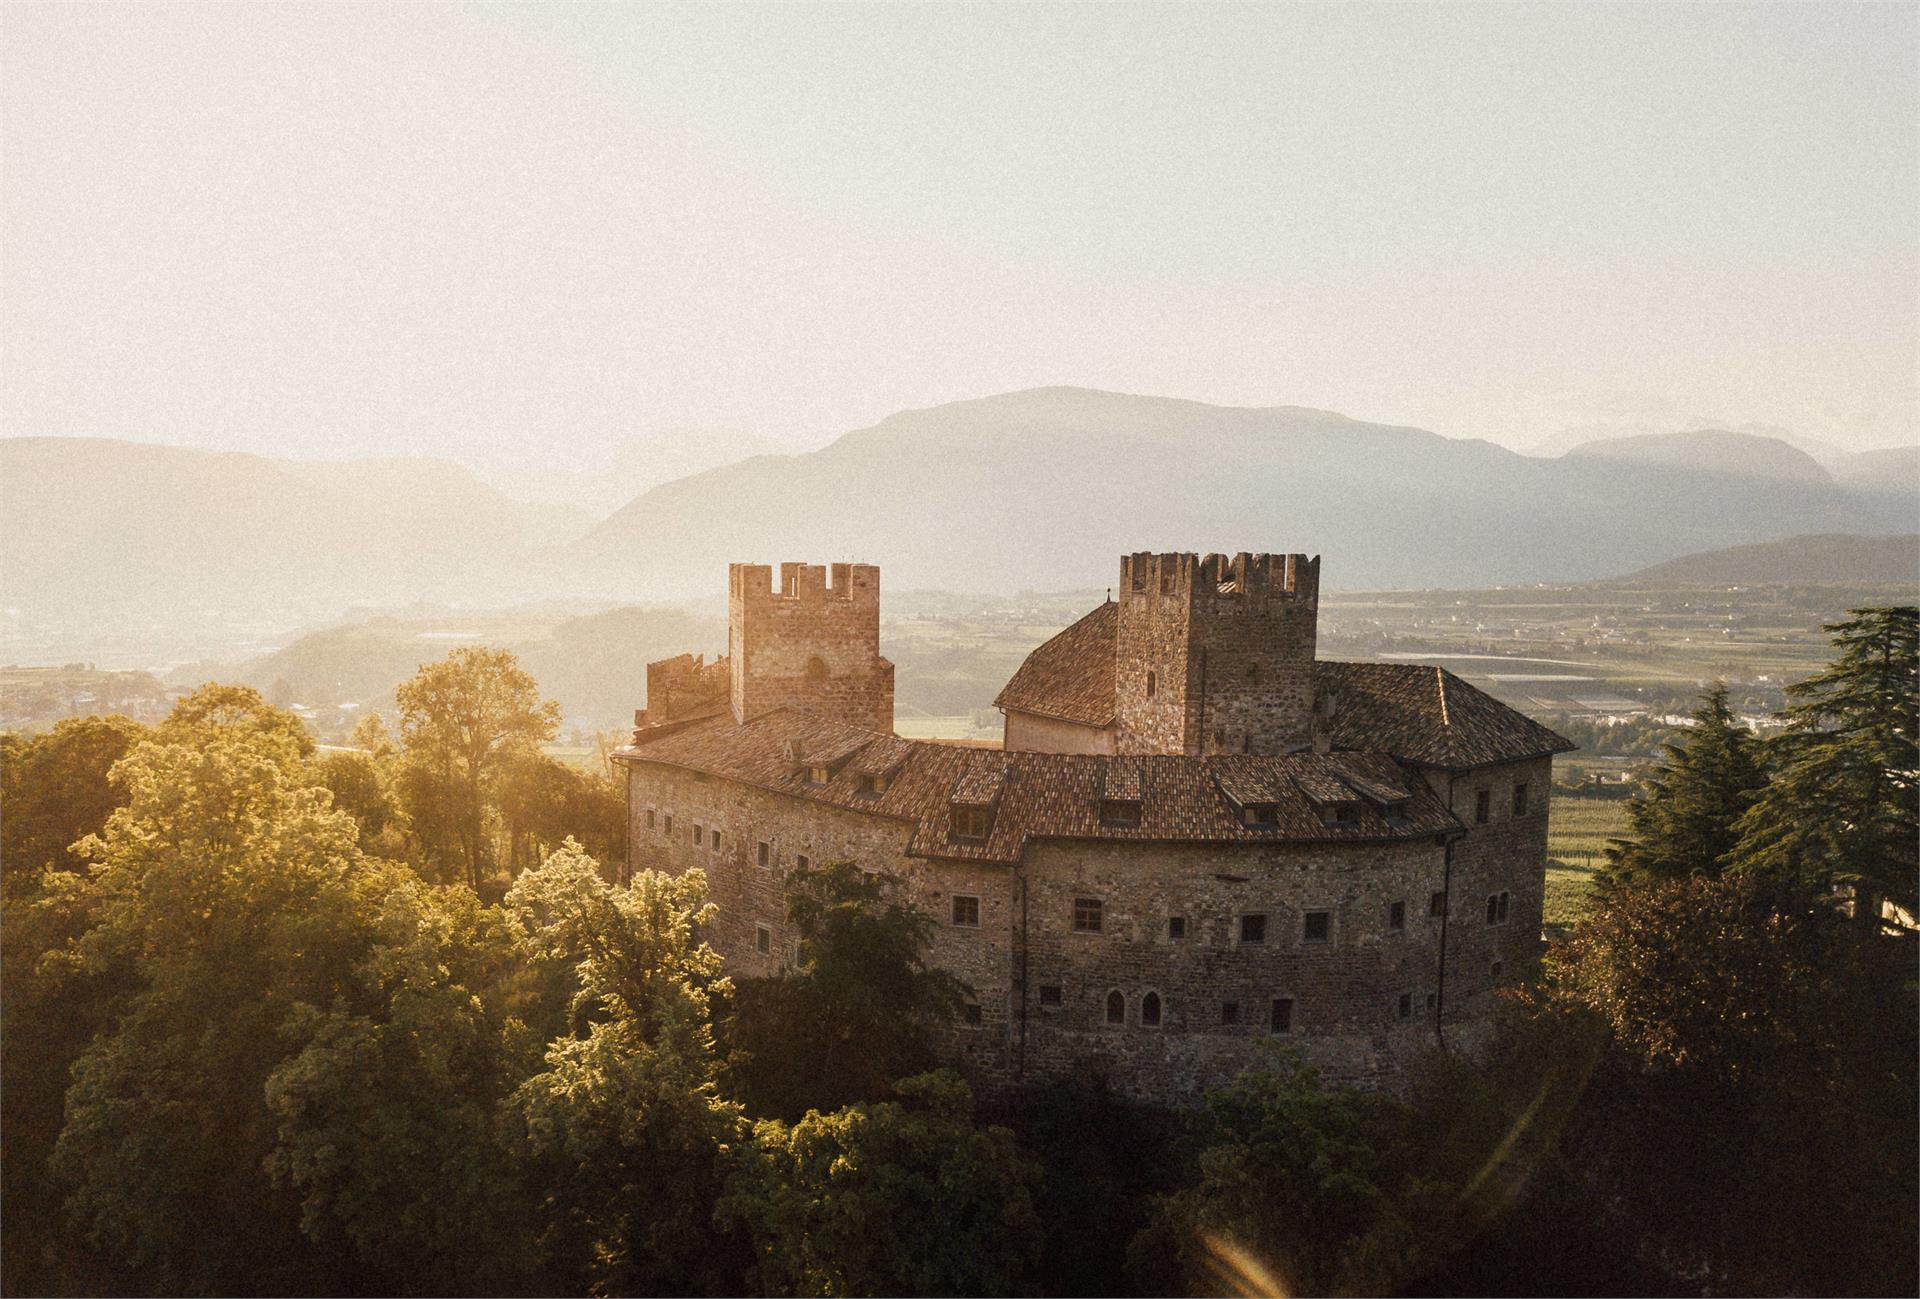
x=856 y=584
x=1211 y=578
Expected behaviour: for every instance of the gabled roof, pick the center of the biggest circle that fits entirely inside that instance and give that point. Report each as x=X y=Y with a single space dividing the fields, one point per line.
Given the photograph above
x=1046 y=795
x=1069 y=678
x=1428 y=715
x=1422 y=714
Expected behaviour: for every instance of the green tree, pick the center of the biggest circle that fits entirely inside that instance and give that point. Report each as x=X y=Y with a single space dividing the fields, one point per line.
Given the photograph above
x=55 y=790
x=859 y=1010
x=1682 y=821
x=625 y=1134
x=1843 y=808
x=904 y=1197
x=362 y=786
x=462 y=720
x=236 y=711
x=221 y=895
x=1287 y=1195
x=544 y=802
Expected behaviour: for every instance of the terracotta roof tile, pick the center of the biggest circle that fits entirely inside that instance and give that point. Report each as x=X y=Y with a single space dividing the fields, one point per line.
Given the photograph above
x=1045 y=795
x=1071 y=676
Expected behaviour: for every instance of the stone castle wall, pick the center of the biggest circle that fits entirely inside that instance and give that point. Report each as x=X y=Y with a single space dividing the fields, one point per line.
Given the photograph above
x=810 y=644
x=1345 y=992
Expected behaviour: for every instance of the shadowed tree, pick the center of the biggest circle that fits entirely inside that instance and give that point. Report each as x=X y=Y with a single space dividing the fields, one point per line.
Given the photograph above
x=1843 y=807
x=55 y=789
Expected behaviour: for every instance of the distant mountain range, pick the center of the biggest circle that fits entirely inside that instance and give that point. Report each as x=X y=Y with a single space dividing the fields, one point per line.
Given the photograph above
x=1826 y=558
x=1045 y=488
x=1035 y=490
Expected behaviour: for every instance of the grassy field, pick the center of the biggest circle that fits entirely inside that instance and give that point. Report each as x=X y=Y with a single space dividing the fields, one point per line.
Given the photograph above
x=1577 y=836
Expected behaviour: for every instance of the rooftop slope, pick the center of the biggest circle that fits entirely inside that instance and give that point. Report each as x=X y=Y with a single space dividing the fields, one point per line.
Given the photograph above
x=1045 y=795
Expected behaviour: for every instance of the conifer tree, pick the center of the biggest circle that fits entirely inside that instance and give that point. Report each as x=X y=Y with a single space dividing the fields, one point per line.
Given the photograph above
x=1683 y=821
x=1841 y=810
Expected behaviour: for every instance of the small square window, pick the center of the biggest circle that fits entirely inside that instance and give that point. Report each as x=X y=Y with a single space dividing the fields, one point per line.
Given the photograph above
x=1396 y=915
x=762 y=939
x=1437 y=904
x=1086 y=915
x=966 y=910
x=764 y=853
x=970 y=1012
x=1050 y=994
x=1253 y=928
x=1404 y=1007
x=1176 y=928
x=1319 y=927
x=969 y=822
x=1229 y=1012
x=1520 y=793
x=1482 y=806
x=817 y=775
x=800 y=861
x=1282 y=1021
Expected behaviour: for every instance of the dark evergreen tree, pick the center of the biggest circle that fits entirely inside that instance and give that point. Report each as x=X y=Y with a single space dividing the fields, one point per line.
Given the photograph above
x=1683 y=820
x=1843 y=808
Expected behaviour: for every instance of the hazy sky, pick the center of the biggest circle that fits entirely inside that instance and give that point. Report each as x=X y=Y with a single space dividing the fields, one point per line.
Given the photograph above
x=397 y=229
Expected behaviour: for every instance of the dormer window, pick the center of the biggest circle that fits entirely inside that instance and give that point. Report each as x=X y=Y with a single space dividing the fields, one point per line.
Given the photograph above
x=873 y=786
x=817 y=775
x=970 y=822
x=1124 y=812
x=1261 y=816
x=1340 y=814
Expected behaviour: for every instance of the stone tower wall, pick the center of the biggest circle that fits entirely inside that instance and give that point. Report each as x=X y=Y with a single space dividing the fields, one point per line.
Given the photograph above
x=810 y=644
x=1229 y=643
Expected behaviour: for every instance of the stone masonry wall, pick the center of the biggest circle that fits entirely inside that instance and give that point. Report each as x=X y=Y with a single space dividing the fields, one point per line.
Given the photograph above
x=809 y=645
x=1346 y=992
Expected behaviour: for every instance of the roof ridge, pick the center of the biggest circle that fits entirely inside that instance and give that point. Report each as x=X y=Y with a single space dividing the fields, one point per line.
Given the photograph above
x=1440 y=680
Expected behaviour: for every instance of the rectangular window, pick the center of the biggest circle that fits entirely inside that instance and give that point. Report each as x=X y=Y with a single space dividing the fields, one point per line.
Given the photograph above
x=800 y=861
x=1282 y=1021
x=1319 y=927
x=970 y=1012
x=649 y=818
x=1086 y=915
x=762 y=939
x=1437 y=904
x=699 y=835
x=966 y=910
x=1176 y=928
x=1050 y=994
x=1229 y=1012
x=764 y=853
x=969 y=822
x=1253 y=928
x=1520 y=792
x=1261 y=815
x=1497 y=907
x=873 y=785
x=817 y=775
x=668 y=828
x=1482 y=806
x=1404 y=1008
x=1396 y=915
x=1119 y=812
x=714 y=840
x=1432 y=1001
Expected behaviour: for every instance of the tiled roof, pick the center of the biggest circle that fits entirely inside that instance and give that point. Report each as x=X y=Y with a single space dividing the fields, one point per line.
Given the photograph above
x=1071 y=676
x=1045 y=795
x=1428 y=715
x=1422 y=714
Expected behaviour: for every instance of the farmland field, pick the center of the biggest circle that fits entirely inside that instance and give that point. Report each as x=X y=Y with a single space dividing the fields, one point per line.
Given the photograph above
x=1577 y=834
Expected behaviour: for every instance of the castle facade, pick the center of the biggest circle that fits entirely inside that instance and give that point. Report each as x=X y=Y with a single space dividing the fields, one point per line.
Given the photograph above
x=1196 y=839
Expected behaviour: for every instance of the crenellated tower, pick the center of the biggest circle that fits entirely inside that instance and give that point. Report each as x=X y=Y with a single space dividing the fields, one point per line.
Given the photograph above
x=1215 y=654
x=810 y=644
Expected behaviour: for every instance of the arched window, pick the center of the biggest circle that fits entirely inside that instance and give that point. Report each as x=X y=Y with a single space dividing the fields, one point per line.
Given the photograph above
x=1116 y=1007
x=816 y=669
x=1150 y=1010
x=1150 y=685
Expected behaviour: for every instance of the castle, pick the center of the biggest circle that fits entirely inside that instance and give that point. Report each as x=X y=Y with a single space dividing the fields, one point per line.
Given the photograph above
x=1196 y=837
